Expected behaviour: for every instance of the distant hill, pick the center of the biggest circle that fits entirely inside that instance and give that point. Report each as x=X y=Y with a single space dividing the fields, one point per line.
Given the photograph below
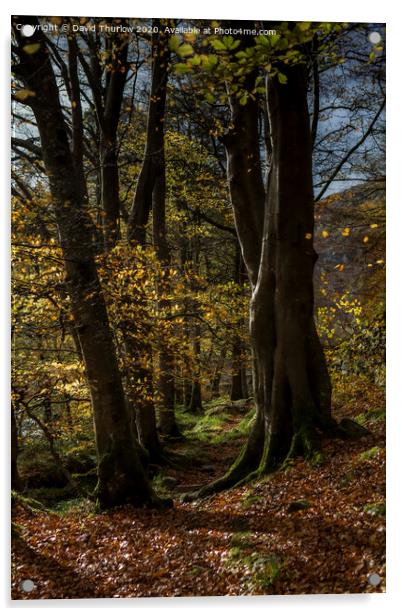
x=350 y=242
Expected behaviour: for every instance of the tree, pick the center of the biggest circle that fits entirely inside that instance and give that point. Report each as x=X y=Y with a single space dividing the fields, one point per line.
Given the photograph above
x=107 y=101
x=121 y=477
x=275 y=227
x=150 y=195
x=15 y=476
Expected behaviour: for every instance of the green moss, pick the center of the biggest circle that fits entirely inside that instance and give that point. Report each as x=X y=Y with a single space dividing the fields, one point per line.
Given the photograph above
x=369 y=454
x=249 y=499
x=317 y=459
x=257 y=570
x=30 y=503
x=241 y=541
x=215 y=425
x=376 y=414
x=375 y=509
x=75 y=505
x=51 y=497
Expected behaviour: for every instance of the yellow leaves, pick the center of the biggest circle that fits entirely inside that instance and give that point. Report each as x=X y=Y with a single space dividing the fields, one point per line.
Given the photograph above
x=340 y=267
x=308 y=236
x=345 y=232
x=23 y=94
x=31 y=48
x=325 y=234
x=365 y=239
x=373 y=226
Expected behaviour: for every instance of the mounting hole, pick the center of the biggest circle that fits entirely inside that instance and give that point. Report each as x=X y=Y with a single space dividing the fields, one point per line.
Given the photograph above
x=27 y=30
x=374 y=38
x=27 y=585
x=374 y=579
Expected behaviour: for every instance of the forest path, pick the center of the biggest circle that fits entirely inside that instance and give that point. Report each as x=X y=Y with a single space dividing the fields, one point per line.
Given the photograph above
x=304 y=530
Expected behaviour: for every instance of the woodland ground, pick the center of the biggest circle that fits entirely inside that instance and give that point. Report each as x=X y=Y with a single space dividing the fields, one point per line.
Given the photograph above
x=305 y=529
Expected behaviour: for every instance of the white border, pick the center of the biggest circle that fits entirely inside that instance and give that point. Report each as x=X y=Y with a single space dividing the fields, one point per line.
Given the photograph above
x=339 y=10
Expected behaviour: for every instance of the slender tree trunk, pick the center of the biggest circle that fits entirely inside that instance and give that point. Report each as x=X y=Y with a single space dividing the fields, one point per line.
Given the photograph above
x=121 y=477
x=151 y=194
x=110 y=191
x=16 y=483
x=218 y=374
x=236 y=387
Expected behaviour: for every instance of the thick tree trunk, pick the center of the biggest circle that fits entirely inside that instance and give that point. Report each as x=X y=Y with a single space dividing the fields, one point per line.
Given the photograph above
x=121 y=477
x=238 y=389
x=292 y=389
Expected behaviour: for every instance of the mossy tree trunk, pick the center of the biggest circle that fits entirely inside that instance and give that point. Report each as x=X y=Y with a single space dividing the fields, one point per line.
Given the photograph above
x=121 y=477
x=292 y=389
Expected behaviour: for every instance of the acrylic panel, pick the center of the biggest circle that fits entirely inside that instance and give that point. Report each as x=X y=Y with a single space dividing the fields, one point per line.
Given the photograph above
x=198 y=307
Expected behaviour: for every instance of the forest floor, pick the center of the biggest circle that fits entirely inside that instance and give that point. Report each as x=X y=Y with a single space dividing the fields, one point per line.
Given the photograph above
x=305 y=529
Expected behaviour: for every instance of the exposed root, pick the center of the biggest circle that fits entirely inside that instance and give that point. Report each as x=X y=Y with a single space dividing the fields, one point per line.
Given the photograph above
x=306 y=443
x=242 y=467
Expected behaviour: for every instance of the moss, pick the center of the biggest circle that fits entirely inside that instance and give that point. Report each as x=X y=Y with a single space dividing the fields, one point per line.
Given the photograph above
x=317 y=459
x=375 y=509
x=250 y=499
x=51 y=497
x=376 y=414
x=242 y=541
x=257 y=570
x=75 y=505
x=369 y=454
x=16 y=531
x=32 y=504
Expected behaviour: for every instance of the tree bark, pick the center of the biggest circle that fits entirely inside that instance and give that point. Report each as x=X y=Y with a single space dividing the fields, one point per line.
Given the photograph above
x=16 y=483
x=121 y=477
x=108 y=101
x=238 y=390
x=150 y=195
x=292 y=389
x=216 y=380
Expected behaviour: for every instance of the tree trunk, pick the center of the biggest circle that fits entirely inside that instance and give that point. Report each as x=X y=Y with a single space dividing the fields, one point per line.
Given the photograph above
x=16 y=483
x=110 y=191
x=121 y=477
x=151 y=193
x=237 y=391
x=236 y=387
x=215 y=393
x=292 y=389
x=107 y=86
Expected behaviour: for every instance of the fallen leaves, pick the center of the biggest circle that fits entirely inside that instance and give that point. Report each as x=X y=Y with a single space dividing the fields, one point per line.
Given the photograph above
x=306 y=530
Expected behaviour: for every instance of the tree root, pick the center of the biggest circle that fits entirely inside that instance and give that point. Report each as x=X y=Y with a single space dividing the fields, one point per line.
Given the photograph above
x=240 y=469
